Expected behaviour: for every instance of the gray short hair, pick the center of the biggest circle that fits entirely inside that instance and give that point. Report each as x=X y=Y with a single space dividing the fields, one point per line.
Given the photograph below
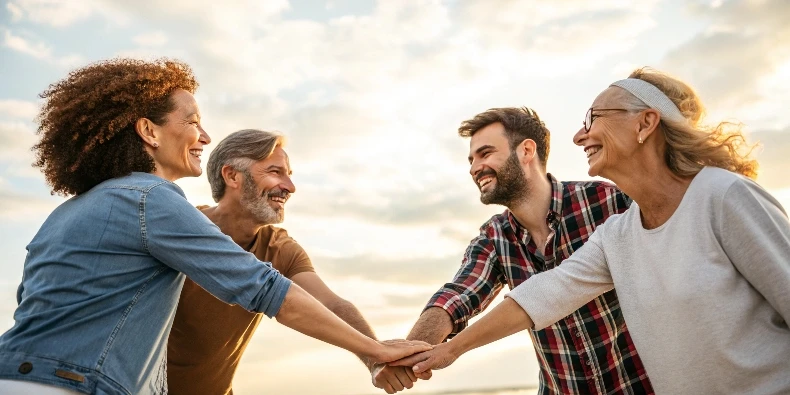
x=239 y=150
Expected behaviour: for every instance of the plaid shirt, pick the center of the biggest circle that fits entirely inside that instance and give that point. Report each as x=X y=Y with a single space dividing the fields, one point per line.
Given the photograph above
x=587 y=352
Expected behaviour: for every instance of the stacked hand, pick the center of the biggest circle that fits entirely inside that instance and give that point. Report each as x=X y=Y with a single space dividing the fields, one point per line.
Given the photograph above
x=440 y=357
x=391 y=350
x=395 y=378
x=403 y=373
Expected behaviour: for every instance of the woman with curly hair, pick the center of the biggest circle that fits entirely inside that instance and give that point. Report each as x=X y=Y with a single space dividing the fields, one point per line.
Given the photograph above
x=700 y=261
x=103 y=274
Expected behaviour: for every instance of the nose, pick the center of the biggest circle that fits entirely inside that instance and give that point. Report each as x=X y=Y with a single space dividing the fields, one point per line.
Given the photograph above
x=288 y=185
x=204 y=137
x=475 y=168
x=580 y=136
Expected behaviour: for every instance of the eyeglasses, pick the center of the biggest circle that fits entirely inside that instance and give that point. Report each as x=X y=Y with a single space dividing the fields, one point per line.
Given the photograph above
x=590 y=117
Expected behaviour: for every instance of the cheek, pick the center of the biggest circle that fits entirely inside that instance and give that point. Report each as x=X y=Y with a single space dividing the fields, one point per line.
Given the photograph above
x=612 y=145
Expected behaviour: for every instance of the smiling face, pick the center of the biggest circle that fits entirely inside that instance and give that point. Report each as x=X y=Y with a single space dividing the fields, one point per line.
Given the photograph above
x=495 y=169
x=180 y=139
x=266 y=187
x=612 y=137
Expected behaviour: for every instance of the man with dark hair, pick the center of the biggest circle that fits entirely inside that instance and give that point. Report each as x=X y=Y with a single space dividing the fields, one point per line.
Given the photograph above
x=587 y=352
x=250 y=177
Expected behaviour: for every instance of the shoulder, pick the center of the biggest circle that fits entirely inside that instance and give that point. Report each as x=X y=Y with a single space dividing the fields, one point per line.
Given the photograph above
x=279 y=237
x=712 y=186
x=143 y=182
x=732 y=190
x=495 y=225
x=494 y=228
x=590 y=188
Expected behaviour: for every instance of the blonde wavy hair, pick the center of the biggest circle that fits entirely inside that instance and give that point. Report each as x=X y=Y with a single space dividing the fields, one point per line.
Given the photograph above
x=692 y=145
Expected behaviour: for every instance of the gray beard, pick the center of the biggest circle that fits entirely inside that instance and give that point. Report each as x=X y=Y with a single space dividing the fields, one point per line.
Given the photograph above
x=258 y=205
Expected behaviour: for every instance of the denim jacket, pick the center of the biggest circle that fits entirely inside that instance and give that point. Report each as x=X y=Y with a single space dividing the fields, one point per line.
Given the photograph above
x=101 y=283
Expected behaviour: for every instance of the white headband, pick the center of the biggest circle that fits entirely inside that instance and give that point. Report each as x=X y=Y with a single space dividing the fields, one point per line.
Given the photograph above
x=653 y=97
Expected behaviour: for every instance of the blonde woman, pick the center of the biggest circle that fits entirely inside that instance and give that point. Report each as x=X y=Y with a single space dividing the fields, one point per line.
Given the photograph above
x=700 y=261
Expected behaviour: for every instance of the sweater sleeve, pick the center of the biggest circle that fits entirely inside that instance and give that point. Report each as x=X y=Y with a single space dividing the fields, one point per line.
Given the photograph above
x=755 y=234
x=549 y=296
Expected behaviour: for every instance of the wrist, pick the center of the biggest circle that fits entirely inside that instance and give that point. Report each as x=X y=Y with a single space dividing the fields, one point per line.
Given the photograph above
x=371 y=352
x=457 y=347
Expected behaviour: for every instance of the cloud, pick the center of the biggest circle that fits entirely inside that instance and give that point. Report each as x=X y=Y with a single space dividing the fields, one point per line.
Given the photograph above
x=16 y=12
x=434 y=202
x=552 y=38
x=155 y=39
x=18 y=109
x=772 y=156
x=18 y=137
x=39 y=50
x=416 y=271
x=52 y=13
x=745 y=41
x=21 y=206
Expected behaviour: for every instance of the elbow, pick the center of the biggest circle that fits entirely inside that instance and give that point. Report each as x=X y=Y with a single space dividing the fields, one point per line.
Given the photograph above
x=338 y=305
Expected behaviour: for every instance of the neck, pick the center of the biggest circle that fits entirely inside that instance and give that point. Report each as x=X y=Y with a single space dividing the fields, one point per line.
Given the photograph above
x=532 y=210
x=652 y=185
x=233 y=221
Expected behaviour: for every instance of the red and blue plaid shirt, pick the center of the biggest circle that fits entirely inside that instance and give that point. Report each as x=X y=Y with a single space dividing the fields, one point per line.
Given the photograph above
x=587 y=352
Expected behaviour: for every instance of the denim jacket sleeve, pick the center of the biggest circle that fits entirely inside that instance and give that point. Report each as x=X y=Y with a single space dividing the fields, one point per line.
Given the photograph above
x=181 y=237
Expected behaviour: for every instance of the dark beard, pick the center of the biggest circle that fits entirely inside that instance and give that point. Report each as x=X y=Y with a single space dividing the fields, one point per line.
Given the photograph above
x=511 y=184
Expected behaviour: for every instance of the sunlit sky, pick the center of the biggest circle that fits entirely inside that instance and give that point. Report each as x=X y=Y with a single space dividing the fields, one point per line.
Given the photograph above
x=370 y=95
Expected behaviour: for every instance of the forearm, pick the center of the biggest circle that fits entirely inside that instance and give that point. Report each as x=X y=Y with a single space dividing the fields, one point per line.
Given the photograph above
x=504 y=320
x=433 y=326
x=347 y=312
x=303 y=313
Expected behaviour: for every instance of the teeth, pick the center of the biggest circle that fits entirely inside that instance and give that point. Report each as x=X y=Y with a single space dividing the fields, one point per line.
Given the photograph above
x=484 y=181
x=591 y=151
x=278 y=199
x=195 y=152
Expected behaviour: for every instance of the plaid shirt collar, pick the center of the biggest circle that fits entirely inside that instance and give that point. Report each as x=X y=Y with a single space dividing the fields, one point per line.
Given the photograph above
x=552 y=217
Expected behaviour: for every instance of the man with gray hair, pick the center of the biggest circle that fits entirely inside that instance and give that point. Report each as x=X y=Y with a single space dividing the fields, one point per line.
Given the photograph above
x=250 y=177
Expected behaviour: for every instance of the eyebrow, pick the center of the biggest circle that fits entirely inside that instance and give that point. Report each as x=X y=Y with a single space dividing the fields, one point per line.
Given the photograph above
x=194 y=114
x=481 y=149
x=275 y=167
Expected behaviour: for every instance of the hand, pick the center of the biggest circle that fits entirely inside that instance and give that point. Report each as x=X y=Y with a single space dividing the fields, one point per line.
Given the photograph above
x=440 y=357
x=391 y=350
x=392 y=378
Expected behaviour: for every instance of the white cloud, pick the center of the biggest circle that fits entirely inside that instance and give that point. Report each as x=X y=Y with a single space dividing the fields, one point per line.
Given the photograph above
x=154 y=39
x=39 y=50
x=745 y=42
x=18 y=109
x=53 y=12
x=17 y=137
x=16 y=12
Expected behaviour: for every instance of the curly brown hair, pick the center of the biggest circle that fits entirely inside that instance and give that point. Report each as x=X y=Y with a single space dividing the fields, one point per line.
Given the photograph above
x=87 y=123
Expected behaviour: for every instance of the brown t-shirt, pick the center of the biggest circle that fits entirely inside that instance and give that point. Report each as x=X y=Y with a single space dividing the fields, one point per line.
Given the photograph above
x=209 y=336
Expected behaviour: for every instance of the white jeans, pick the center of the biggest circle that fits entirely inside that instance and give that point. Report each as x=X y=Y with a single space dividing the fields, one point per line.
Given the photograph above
x=17 y=387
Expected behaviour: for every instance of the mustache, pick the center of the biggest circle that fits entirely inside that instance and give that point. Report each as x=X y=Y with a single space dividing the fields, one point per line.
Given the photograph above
x=484 y=173
x=276 y=193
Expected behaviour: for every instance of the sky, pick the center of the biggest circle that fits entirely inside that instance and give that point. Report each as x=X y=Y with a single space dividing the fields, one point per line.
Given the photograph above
x=370 y=95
